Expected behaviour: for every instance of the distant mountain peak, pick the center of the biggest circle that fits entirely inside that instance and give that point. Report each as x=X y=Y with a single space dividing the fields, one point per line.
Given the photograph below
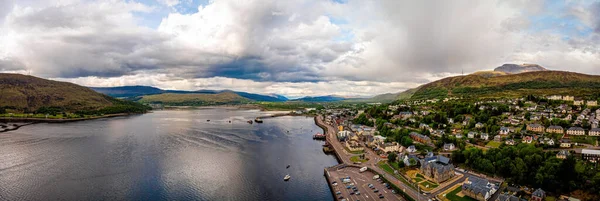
x=516 y=68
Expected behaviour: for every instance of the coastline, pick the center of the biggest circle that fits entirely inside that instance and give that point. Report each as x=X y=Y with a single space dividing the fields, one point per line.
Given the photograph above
x=44 y=120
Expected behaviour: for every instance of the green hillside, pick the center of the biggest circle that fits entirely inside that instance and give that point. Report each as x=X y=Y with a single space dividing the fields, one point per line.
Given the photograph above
x=28 y=94
x=512 y=85
x=195 y=99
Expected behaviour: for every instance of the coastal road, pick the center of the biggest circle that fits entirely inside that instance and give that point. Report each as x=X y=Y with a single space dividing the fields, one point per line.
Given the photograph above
x=345 y=157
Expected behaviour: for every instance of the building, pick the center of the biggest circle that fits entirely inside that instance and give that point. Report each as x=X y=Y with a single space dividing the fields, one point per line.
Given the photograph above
x=538 y=195
x=437 y=168
x=578 y=102
x=555 y=129
x=354 y=145
x=498 y=138
x=595 y=132
x=535 y=128
x=555 y=97
x=478 y=188
x=563 y=154
x=478 y=125
x=504 y=130
x=389 y=147
x=504 y=197
x=527 y=139
x=449 y=147
x=568 y=98
x=471 y=134
x=342 y=135
x=420 y=138
x=565 y=143
x=411 y=149
x=590 y=155
x=510 y=142
x=575 y=131
x=485 y=136
x=592 y=103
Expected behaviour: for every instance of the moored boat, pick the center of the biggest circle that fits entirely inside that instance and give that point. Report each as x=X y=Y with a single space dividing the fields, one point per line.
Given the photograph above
x=258 y=120
x=287 y=177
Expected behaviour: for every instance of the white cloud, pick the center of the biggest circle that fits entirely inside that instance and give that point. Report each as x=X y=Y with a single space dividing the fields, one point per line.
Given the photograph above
x=295 y=47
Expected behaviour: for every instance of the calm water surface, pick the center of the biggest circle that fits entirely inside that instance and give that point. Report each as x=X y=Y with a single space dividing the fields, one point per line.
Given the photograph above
x=166 y=155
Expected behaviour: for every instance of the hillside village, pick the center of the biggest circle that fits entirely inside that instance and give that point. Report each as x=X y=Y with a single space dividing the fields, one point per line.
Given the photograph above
x=461 y=145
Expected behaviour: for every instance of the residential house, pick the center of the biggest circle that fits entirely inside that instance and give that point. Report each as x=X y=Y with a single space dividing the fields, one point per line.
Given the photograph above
x=578 y=102
x=590 y=155
x=555 y=129
x=592 y=103
x=510 y=142
x=438 y=133
x=527 y=139
x=565 y=143
x=535 y=128
x=437 y=168
x=575 y=131
x=478 y=188
x=498 y=138
x=449 y=147
x=563 y=154
x=504 y=130
x=485 y=136
x=411 y=149
x=555 y=97
x=538 y=195
x=550 y=142
x=420 y=138
x=595 y=132
x=471 y=134
x=568 y=98
x=423 y=126
x=389 y=147
x=478 y=125
x=458 y=136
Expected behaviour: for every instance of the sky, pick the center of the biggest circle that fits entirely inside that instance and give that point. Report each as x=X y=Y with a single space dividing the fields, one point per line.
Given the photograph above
x=353 y=48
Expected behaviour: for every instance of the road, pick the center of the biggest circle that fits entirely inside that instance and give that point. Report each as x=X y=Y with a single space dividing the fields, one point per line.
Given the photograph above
x=345 y=158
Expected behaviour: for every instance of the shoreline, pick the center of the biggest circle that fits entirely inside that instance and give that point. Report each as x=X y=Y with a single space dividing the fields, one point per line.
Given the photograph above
x=45 y=120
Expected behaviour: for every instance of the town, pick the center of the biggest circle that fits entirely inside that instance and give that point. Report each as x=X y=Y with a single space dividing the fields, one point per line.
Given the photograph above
x=529 y=148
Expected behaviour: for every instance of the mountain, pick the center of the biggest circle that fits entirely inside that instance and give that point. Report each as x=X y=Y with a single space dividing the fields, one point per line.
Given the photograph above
x=329 y=98
x=132 y=92
x=512 y=85
x=26 y=93
x=516 y=68
x=128 y=91
x=195 y=99
x=391 y=97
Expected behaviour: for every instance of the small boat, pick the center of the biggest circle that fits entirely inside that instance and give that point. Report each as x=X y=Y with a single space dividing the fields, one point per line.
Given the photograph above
x=287 y=167
x=258 y=120
x=229 y=121
x=287 y=177
x=250 y=121
x=208 y=120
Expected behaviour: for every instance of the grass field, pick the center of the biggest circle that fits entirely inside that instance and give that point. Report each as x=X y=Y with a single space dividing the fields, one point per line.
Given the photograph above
x=431 y=185
x=453 y=197
x=493 y=144
x=357 y=159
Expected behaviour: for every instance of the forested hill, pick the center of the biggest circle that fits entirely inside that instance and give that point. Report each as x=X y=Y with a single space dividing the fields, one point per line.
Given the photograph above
x=23 y=93
x=512 y=85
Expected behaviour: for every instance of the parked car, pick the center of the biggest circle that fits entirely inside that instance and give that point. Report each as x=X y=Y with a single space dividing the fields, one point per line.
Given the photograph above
x=376 y=191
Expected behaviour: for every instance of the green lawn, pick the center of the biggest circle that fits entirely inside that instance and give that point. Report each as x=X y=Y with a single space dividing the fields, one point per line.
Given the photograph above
x=431 y=185
x=494 y=144
x=420 y=176
x=453 y=197
x=386 y=167
x=418 y=180
x=357 y=159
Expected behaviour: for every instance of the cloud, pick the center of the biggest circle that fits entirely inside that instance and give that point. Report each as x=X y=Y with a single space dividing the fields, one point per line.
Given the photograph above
x=350 y=47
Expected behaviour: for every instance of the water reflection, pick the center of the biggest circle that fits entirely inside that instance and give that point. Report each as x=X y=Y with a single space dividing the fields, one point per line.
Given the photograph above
x=165 y=155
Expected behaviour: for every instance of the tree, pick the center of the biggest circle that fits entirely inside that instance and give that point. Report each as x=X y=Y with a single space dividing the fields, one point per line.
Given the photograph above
x=392 y=157
x=412 y=161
